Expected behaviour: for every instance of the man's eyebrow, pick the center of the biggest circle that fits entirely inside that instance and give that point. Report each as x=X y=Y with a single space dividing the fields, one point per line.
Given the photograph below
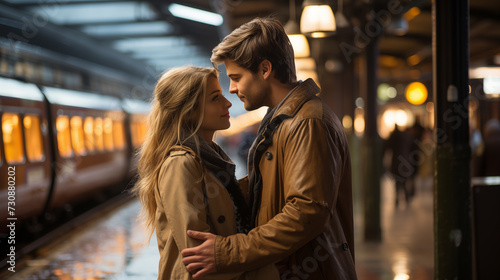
x=233 y=75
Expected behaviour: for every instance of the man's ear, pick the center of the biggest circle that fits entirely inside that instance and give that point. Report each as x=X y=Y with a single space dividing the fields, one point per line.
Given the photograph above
x=266 y=68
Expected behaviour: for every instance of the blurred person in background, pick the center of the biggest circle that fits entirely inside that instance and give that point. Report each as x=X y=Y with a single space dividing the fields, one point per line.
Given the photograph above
x=186 y=181
x=299 y=168
x=401 y=143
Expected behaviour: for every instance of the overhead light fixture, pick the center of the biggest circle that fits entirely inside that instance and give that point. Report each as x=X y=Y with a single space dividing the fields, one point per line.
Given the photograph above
x=194 y=14
x=340 y=19
x=297 y=39
x=317 y=19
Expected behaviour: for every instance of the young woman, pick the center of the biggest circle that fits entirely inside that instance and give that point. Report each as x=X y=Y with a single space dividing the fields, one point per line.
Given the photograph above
x=186 y=181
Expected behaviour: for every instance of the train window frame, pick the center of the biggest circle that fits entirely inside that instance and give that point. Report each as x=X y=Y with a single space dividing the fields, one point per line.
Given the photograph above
x=19 y=147
x=28 y=138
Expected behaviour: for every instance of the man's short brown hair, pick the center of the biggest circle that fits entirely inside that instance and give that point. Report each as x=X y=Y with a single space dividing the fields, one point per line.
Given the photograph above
x=255 y=41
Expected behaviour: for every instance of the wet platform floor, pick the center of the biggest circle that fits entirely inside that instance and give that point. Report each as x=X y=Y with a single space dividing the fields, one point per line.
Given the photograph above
x=116 y=247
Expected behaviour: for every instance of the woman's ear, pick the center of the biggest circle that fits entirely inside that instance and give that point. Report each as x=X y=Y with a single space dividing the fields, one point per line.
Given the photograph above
x=266 y=68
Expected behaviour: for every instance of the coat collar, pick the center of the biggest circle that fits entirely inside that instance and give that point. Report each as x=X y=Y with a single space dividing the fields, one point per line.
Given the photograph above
x=292 y=103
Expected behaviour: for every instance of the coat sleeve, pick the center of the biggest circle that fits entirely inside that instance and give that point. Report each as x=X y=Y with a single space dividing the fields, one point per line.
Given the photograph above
x=180 y=187
x=311 y=168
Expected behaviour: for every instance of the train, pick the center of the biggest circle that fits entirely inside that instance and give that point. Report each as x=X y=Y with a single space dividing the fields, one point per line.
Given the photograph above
x=73 y=115
x=59 y=147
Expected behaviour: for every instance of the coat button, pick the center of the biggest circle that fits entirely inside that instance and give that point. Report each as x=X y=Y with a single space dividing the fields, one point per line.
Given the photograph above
x=221 y=219
x=345 y=246
x=269 y=156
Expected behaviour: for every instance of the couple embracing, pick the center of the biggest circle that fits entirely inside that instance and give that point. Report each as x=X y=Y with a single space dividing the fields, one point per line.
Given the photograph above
x=291 y=217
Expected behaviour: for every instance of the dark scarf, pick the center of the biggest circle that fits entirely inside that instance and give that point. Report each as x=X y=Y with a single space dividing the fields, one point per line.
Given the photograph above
x=222 y=167
x=264 y=139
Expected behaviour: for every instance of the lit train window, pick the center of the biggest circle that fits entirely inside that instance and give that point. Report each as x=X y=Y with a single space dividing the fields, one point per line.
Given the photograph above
x=138 y=130
x=12 y=138
x=118 y=135
x=88 y=133
x=63 y=136
x=77 y=135
x=108 y=134
x=33 y=135
x=99 y=137
x=134 y=135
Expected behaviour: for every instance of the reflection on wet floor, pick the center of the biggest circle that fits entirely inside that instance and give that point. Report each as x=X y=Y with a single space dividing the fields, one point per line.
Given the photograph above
x=407 y=247
x=106 y=249
x=115 y=246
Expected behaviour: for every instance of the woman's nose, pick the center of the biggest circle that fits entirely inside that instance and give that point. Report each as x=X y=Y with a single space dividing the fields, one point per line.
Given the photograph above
x=228 y=103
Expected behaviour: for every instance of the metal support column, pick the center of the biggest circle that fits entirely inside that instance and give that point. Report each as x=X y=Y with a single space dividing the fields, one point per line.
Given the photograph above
x=371 y=147
x=452 y=196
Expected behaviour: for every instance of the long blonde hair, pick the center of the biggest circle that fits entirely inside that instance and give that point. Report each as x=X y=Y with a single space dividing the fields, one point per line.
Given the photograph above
x=176 y=115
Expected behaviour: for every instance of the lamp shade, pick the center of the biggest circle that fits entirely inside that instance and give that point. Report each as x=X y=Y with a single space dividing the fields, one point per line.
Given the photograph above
x=317 y=21
x=298 y=40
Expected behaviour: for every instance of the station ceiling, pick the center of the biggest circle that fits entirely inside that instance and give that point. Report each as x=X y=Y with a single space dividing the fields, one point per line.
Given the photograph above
x=151 y=32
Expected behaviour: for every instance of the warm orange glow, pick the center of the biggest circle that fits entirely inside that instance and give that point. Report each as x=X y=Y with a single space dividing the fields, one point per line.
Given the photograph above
x=99 y=135
x=77 y=138
x=300 y=45
x=88 y=132
x=33 y=134
x=416 y=93
x=108 y=134
x=12 y=138
x=412 y=13
x=243 y=121
x=359 y=121
x=347 y=123
x=118 y=135
x=63 y=136
x=317 y=20
x=414 y=60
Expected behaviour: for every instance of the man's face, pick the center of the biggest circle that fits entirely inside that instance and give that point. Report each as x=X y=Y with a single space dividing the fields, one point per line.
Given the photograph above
x=251 y=88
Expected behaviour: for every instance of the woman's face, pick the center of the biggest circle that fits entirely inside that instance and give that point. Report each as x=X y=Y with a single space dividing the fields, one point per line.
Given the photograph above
x=216 y=113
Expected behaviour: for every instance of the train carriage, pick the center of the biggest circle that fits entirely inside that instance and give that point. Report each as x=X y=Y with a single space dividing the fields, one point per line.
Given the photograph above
x=25 y=162
x=91 y=148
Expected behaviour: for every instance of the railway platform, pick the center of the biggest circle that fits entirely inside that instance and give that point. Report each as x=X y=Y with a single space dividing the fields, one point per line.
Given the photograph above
x=116 y=246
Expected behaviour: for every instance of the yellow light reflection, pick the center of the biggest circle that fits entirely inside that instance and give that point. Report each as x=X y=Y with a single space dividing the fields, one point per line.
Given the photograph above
x=400 y=266
x=402 y=277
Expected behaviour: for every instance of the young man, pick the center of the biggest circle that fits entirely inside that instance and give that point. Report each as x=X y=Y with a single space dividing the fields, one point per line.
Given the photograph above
x=299 y=169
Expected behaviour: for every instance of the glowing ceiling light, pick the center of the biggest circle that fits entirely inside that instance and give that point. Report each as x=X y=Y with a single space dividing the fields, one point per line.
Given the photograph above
x=317 y=19
x=194 y=14
x=416 y=93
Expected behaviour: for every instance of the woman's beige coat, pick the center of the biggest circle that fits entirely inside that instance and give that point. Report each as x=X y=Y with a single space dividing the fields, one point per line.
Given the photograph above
x=182 y=205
